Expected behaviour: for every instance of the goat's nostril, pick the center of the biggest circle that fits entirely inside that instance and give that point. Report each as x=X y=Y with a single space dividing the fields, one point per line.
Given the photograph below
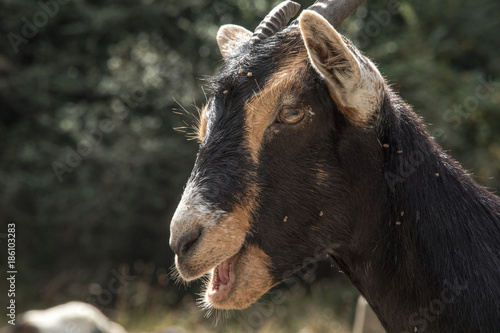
x=186 y=242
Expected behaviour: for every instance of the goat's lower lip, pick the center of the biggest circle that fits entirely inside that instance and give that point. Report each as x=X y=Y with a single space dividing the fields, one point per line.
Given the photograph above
x=222 y=280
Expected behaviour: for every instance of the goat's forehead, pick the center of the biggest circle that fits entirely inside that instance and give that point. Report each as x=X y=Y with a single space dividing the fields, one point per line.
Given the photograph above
x=256 y=62
x=279 y=70
x=258 y=78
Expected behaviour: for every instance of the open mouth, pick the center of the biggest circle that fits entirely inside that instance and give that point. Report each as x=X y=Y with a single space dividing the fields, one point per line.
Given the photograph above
x=222 y=280
x=238 y=281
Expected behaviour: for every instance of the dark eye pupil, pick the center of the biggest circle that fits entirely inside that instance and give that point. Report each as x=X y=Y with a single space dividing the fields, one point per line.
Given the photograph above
x=291 y=116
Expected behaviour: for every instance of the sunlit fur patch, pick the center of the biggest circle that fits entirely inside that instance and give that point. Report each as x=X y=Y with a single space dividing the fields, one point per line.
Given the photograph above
x=252 y=280
x=201 y=125
x=322 y=176
x=281 y=90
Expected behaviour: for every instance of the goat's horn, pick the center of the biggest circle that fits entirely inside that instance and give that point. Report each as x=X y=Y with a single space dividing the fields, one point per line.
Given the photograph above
x=276 y=20
x=335 y=11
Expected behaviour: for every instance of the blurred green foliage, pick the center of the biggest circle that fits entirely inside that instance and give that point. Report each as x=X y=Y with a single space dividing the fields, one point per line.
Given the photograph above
x=91 y=169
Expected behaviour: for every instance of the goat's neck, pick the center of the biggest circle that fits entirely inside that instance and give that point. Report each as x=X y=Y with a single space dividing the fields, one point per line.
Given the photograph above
x=428 y=238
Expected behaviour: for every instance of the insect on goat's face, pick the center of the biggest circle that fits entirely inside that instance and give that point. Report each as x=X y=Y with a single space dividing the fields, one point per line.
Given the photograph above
x=270 y=174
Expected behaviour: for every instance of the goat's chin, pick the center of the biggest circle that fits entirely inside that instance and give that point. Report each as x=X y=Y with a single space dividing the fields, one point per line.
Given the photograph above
x=238 y=281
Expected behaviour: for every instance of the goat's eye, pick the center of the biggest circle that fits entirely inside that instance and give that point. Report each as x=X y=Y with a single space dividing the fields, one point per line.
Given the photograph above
x=290 y=116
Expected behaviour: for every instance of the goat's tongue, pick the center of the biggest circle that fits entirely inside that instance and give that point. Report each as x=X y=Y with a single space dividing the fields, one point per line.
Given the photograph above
x=223 y=271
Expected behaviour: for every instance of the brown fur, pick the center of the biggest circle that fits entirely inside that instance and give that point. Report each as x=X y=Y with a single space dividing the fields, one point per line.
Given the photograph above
x=223 y=236
x=322 y=176
x=252 y=279
x=262 y=109
x=220 y=241
x=201 y=126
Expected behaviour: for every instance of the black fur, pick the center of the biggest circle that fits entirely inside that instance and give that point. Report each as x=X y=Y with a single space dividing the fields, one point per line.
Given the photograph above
x=434 y=267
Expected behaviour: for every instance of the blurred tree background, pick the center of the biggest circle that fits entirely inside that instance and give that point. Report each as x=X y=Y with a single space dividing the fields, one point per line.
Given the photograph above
x=91 y=168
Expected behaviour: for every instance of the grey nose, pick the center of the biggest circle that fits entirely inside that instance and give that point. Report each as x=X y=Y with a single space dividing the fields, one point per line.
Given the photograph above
x=185 y=242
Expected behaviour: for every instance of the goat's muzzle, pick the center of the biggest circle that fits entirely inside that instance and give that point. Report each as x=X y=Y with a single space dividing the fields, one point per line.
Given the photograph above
x=202 y=236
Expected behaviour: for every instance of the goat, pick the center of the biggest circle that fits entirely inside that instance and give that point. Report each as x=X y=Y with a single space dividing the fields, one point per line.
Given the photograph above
x=307 y=151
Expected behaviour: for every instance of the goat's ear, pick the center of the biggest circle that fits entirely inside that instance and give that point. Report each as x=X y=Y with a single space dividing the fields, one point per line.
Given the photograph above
x=353 y=81
x=229 y=36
